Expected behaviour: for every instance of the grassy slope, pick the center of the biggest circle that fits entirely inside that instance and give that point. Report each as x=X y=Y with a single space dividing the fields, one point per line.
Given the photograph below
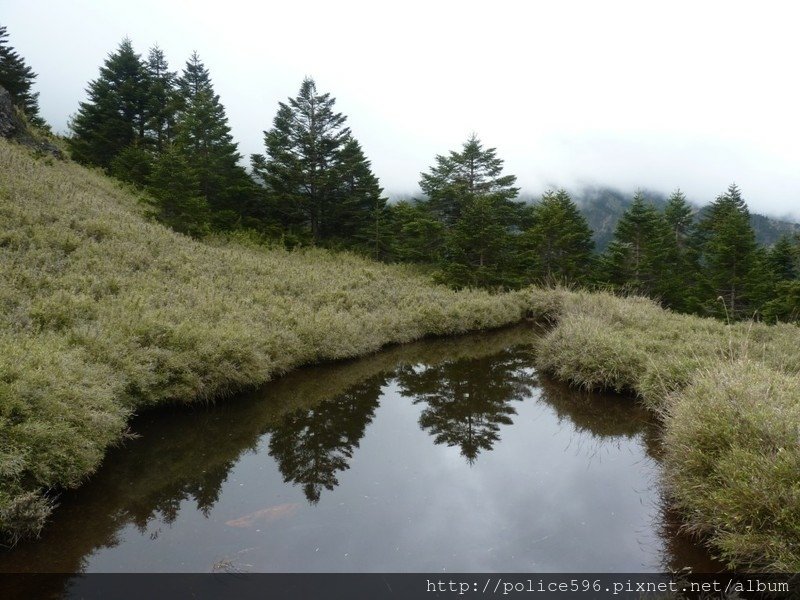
x=103 y=313
x=730 y=401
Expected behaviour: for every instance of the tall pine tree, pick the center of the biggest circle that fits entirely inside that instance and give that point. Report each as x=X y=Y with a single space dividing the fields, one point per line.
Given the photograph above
x=317 y=173
x=115 y=114
x=635 y=258
x=728 y=246
x=480 y=250
x=416 y=234
x=473 y=200
x=161 y=100
x=360 y=209
x=681 y=282
x=204 y=140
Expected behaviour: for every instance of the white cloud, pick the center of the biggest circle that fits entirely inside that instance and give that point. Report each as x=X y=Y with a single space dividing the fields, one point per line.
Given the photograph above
x=683 y=94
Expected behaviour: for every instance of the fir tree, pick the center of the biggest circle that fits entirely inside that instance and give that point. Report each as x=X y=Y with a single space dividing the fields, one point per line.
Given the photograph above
x=635 y=258
x=784 y=259
x=317 y=172
x=175 y=194
x=461 y=176
x=474 y=202
x=205 y=141
x=728 y=247
x=360 y=210
x=17 y=78
x=417 y=235
x=680 y=218
x=559 y=242
x=114 y=116
x=133 y=164
x=161 y=100
x=194 y=79
x=681 y=281
x=479 y=249
x=783 y=264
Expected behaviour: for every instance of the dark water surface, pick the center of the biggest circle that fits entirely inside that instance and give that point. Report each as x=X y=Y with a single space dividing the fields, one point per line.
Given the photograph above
x=449 y=455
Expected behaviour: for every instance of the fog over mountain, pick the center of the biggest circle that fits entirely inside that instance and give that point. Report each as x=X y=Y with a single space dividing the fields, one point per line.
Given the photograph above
x=571 y=94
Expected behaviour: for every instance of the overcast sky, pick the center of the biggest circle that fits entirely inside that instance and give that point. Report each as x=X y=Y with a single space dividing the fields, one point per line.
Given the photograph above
x=626 y=94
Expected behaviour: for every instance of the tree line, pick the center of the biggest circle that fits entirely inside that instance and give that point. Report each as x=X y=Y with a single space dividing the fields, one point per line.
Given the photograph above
x=168 y=133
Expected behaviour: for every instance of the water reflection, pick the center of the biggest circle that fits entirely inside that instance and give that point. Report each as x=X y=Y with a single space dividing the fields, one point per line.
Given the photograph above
x=311 y=445
x=175 y=498
x=466 y=401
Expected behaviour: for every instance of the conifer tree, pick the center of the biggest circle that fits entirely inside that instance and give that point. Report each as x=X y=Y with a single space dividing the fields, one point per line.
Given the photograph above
x=417 y=235
x=132 y=164
x=635 y=258
x=559 y=242
x=474 y=202
x=360 y=210
x=161 y=100
x=680 y=218
x=784 y=259
x=317 y=172
x=681 y=281
x=114 y=115
x=194 y=79
x=479 y=249
x=728 y=247
x=205 y=141
x=175 y=194
x=459 y=177
x=17 y=78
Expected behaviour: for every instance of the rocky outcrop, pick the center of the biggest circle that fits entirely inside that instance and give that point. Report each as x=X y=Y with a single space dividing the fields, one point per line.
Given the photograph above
x=13 y=127
x=9 y=122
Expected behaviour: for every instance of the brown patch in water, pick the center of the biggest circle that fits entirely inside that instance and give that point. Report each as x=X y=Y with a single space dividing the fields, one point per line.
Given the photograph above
x=271 y=513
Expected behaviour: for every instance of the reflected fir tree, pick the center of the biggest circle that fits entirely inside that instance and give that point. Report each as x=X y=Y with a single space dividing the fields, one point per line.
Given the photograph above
x=312 y=446
x=468 y=400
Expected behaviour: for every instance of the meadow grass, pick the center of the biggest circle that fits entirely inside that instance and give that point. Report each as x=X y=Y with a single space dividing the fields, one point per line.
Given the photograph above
x=729 y=399
x=103 y=313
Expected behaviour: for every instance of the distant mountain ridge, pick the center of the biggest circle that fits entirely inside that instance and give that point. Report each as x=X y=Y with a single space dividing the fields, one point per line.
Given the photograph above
x=603 y=207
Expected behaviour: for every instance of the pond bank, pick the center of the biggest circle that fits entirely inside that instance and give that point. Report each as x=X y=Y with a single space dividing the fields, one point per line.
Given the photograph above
x=728 y=397
x=105 y=314
x=444 y=454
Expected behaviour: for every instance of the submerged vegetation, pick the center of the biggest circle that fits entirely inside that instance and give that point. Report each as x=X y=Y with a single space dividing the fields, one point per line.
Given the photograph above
x=729 y=399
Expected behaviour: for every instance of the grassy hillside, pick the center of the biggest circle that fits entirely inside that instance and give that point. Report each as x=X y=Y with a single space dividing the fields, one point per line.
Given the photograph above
x=729 y=397
x=104 y=313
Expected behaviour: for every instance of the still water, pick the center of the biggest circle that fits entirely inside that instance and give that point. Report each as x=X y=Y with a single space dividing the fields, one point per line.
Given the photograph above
x=450 y=455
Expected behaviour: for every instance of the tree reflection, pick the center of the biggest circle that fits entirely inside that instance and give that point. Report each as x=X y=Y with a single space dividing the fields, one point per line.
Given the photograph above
x=468 y=400
x=311 y=446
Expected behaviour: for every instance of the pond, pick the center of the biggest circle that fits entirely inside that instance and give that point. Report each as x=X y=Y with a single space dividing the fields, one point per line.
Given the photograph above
x=444 y=455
